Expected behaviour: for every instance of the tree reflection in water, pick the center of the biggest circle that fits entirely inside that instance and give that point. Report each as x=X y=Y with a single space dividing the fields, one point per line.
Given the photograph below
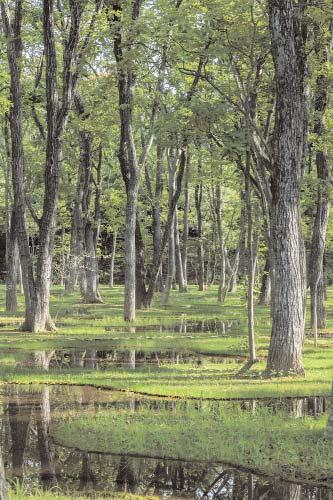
x=27 y=448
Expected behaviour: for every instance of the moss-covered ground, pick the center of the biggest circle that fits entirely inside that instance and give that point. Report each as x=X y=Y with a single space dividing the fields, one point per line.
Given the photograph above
x=101 y=327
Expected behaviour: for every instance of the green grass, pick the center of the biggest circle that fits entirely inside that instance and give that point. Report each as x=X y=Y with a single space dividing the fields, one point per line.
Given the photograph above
x=212 y=380
x=102 y=327
x=273 y=444
x=19 y=493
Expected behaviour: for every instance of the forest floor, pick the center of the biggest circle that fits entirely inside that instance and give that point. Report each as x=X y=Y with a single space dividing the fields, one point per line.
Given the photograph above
x=193 y=325
x=19 y=493
x=192 y=353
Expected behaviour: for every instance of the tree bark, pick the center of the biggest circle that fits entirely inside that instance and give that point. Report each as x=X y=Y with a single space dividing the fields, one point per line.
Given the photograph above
x=288 y=287
x=251 y=262
x=3 y=483
x=91 y=219
x=218 y=212
x=12 y=251
x=129 y=166
x=75 y=246
x=63 y=258
x=178 y=254
x=157 y=230
x=321 y=300
x=140 y=274
x=12 y=267
x=200 y=247
x=265 y=290
x=158 y=256
x=12 y=29
x=172 y=160
x=186 y=219
x=330 y=418
x=113 y=257
x=316 y=258
x=37 y=284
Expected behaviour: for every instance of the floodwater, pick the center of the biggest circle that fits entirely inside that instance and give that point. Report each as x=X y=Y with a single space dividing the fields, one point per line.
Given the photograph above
x=30 y=455
x=119 y=358
x=185 y=326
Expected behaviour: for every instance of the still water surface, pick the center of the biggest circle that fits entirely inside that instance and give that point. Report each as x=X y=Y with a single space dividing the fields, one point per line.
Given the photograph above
x=30 y=455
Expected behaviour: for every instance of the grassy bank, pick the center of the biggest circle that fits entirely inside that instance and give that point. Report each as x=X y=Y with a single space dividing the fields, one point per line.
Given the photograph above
x=101 y=327
x=275 y=444
x=19 y=494
x=210 y=380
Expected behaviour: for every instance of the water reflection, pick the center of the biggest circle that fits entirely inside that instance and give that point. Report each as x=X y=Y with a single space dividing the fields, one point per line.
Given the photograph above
x=29 y=454
x=131 y=359
x=183 y=326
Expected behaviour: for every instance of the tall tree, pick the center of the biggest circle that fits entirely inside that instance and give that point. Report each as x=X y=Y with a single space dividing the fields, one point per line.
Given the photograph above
x=37 y=281
x=316 y=258
x=288 y=291
x=129 y=165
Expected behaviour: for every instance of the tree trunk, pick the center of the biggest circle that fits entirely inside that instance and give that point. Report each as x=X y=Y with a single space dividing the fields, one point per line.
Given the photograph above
x=182 y=166
x=218 y=212
x=242 y=238
x=265 y=290
x=330 y=418
x=171 y=210
x=19 y=421
x=239 y=251
x=288 y=287
x=92 y=232
x=20 y=278
x=157 y=209
x=12 y=267
x=88 y=219
x=73 y=257
x=234 y=275
x=321 y=299
x=75 y=262
x=12 y=251
x=76 y=259
x=3 y=483
x=251 y=267
x=37 y=285
x=316 y=259
x=200 y=248
x=112 y=260
x=171 y=236
x=91 y=295
x=12 y=29
x=179 y=261
x=129 y=165
x=130 y=253
x=186 y=219
x=45 y=445
x=140 y=275
x=208 y=267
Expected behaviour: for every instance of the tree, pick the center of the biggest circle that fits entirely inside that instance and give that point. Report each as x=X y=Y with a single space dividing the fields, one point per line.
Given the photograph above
x=288 y=291
x=37 y=281
x=129 y=165
x=316 y=259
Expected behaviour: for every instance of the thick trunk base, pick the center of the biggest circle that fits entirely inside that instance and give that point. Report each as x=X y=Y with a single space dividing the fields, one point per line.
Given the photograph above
x=37 y=324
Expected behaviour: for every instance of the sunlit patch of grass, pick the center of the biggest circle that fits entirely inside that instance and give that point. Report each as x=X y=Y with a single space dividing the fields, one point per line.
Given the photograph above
x=272 y=443
x=207 y=380
x=19 y=491
x=101 y=327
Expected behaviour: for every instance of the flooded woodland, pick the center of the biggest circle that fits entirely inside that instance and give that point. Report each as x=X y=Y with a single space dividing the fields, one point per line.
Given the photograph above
x=166 y=249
